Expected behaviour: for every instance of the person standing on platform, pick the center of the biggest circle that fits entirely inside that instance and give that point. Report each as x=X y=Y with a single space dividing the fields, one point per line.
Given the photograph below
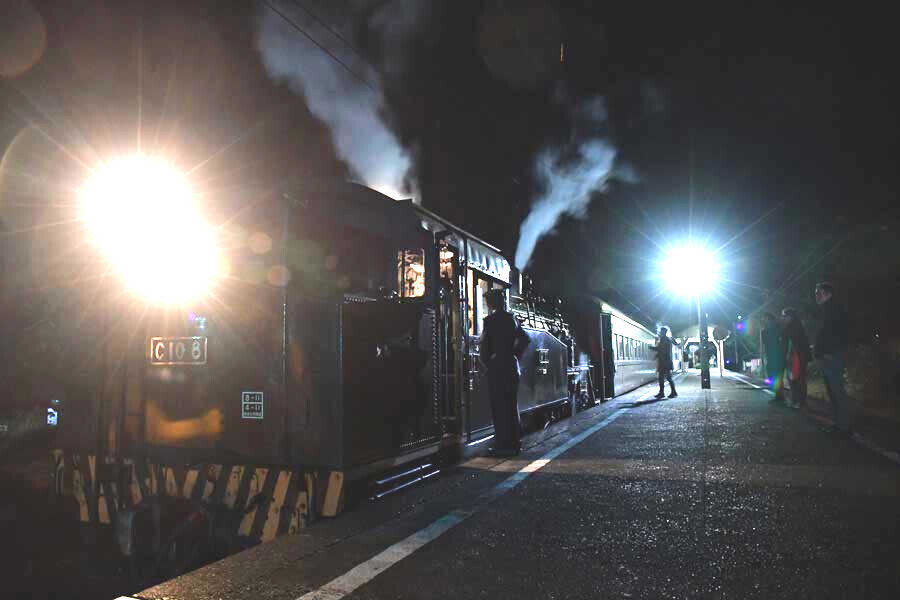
x=798 y=355
x=502 y=343
x=830 y=351
x=664 y=365
x=774 y=350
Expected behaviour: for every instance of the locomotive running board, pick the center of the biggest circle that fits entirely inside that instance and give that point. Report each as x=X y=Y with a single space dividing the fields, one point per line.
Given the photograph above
x=380 y=466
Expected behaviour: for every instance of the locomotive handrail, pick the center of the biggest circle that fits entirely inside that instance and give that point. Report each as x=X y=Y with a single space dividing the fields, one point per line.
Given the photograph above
x=547 y=333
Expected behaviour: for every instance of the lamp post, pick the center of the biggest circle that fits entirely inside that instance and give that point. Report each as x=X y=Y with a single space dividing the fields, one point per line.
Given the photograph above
x=704 y=352
x=691 y=271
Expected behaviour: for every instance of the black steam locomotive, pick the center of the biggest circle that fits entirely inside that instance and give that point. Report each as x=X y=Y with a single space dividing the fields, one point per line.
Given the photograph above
x=343 y=345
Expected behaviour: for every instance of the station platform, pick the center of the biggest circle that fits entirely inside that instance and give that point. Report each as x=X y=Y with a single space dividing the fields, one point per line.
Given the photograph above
x=714 y=494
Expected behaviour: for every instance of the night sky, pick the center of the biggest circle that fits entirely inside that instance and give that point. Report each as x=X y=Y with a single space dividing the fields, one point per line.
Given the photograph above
x=785 y=121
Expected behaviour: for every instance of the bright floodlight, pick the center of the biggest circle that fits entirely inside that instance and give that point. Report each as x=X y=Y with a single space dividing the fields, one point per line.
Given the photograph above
x=690 y=270
x=140 y=212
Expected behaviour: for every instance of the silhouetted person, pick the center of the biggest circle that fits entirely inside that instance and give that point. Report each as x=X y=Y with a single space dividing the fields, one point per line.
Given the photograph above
x=502 y=341
x=798 y=355
x=773 y=347
x=664 y=364
x=830 y=351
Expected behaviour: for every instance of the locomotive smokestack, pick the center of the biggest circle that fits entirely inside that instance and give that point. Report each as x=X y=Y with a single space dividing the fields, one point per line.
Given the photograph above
x=568 y=177
x=342 y=90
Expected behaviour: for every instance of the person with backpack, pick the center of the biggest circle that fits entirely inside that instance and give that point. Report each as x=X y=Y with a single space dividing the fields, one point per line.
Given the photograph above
x=798 y=355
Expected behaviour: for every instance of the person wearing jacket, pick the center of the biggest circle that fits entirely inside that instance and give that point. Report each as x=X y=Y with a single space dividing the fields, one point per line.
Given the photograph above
x=664 y=364
x=502 y=343
x=773 y=348
x=830 y=350
x=798 y=355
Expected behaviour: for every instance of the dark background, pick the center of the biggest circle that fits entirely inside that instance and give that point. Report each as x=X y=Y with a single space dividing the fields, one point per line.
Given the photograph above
x=768 y=134
x=783 y=119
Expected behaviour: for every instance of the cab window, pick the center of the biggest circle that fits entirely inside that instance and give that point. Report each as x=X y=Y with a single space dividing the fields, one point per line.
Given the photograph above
x=411 y=273
x=483 y=287
x=477 y=286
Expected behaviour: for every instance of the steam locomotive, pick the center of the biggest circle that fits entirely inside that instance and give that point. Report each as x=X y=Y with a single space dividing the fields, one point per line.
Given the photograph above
x=344 y=345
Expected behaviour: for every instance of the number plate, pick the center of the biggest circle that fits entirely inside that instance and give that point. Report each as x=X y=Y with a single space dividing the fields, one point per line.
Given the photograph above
x=178 y=350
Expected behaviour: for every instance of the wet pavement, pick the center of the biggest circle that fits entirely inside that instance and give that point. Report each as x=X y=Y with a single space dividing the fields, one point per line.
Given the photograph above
x=715 y=494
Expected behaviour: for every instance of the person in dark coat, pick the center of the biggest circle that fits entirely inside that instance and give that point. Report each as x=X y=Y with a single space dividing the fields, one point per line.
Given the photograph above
x=774 y=350
x=798 y=355
x=502 y=343
x=664 y=364
x=830 y=351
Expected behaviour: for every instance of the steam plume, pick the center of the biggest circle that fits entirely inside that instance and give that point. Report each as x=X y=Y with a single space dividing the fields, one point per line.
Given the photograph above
x=351 y=106
x=568 y=176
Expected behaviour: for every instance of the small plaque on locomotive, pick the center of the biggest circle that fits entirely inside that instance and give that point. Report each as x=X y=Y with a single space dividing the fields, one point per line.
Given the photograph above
x=178 y=350
x=252 y=405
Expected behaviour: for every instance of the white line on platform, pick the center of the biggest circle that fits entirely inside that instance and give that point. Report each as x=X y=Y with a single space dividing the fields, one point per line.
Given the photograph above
x=862 y=441
x=363 y=573
x=750 y=383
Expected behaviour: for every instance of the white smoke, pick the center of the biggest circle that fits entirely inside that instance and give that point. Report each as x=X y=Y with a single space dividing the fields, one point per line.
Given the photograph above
x=350 y=105
x=567 y=183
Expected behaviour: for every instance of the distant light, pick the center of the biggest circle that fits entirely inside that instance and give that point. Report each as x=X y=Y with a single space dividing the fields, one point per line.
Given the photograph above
x=727 y=361
x=52 y=417
x=740 y=317
x=690 y=270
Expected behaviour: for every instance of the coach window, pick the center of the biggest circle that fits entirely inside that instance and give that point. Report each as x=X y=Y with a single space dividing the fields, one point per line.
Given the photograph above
x=411 y=273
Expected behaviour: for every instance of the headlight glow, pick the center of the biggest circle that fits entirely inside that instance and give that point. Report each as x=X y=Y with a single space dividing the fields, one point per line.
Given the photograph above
x=141 y=213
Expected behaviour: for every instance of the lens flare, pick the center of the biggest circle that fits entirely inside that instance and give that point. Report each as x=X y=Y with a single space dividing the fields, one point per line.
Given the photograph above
x=140 y=212
x=690 y=271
